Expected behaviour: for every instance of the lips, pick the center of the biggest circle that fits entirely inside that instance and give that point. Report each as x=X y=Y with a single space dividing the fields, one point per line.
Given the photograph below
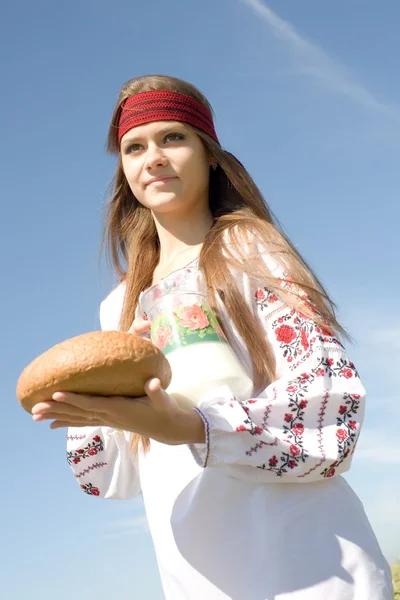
x=160 y=181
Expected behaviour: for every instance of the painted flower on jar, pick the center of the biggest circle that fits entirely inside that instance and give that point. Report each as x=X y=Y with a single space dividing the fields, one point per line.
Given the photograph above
x=162 y=336
x=193 y=317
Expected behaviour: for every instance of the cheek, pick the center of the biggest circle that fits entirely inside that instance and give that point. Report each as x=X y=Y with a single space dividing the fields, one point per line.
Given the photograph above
x=131 y=175
x=196 y=171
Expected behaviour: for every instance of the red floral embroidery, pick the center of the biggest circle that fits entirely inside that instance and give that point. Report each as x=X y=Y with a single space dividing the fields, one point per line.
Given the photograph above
x=248 y=425
x=260 y=295
x=341 y=434
x=265 y=297
x=298 y=429
x=241 y=428
x=304 y=340
x=259 y=430
x=320 y=429
x=285 y=334
x=91 y=449
x=337 y=368
x=347 y=373
x=294 y=450
x=293 y=427
x=297 y=336
x=347 y=427
x=88 y=488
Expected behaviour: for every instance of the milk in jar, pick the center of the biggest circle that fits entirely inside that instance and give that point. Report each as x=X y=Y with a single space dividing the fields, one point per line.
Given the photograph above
x=185 y=329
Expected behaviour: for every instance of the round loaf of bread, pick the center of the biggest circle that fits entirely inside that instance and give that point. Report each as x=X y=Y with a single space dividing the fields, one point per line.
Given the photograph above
x=102 y=363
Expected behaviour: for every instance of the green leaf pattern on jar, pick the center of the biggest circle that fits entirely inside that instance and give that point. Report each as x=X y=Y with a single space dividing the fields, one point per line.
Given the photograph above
x=188 y=324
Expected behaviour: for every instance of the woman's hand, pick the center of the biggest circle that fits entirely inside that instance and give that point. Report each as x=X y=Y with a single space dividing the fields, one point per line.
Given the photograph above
x=155 y=415
x=139 y=326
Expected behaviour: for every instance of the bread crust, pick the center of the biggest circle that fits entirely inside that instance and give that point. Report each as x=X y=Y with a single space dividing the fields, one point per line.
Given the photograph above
x=101 y=363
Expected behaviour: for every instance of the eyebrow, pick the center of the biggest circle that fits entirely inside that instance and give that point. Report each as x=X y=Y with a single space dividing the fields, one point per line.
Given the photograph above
x=163 y=131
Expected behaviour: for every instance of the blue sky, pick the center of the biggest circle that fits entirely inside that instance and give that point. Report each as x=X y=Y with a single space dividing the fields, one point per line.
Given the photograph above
x=307 y=95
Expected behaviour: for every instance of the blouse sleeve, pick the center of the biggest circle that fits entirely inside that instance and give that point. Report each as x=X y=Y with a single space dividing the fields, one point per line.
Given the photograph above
x=102 y=462
x=304 y=426
x=100 y=457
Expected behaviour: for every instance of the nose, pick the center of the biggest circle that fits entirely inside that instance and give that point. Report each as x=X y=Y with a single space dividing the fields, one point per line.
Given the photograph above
x=155 y=158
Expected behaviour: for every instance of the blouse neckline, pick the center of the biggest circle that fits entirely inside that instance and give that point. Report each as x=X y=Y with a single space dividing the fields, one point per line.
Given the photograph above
x=189 y=264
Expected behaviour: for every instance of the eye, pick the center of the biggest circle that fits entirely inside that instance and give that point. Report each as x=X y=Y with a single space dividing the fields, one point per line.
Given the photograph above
x=132 y=148
x=173 y=137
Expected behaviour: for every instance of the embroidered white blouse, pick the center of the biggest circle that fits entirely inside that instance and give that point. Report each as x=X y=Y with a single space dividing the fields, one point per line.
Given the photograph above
x=260 y=511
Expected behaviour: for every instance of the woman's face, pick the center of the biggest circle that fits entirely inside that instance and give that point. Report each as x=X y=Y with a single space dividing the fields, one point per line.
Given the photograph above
x=167 y=167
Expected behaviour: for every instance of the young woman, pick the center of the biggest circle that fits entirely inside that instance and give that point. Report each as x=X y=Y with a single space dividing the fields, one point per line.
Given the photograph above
x=244 y=499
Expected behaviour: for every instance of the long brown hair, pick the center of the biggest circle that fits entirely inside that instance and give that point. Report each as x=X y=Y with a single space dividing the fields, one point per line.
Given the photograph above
x=238 y=208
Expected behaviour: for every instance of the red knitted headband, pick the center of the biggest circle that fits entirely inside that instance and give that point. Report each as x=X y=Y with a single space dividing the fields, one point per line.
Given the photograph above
x=164 y=106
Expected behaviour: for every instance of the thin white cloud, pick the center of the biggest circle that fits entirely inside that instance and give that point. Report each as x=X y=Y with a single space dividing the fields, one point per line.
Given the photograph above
x=378 y=446
x=315 y=63
x=127 y=526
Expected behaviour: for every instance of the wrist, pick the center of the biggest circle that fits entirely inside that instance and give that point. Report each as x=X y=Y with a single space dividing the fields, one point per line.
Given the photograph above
x=191 y=428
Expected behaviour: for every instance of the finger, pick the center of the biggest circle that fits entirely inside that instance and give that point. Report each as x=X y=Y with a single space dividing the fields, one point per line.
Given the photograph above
x=51 y=415
x=152 y=386
x=139 y=326
x=58 y=423
x=159 y=397
x=58 y=408
x=86 y=417
x=83 y=401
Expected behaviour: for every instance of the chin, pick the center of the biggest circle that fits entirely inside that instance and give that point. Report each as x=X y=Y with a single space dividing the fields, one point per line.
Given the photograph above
x=165 y=200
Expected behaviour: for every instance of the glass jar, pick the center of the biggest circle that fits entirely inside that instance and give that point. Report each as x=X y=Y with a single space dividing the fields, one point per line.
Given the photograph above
x=185 y=329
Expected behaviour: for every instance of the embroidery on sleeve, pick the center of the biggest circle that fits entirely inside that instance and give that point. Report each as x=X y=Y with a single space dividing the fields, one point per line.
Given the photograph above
x=293 y=427
x=90 y=468
x=296 y=334
x=88 y=488
x=320 y=434
x=298 y=338
x=76 y=437
x=347 y=433
x=91 y=449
